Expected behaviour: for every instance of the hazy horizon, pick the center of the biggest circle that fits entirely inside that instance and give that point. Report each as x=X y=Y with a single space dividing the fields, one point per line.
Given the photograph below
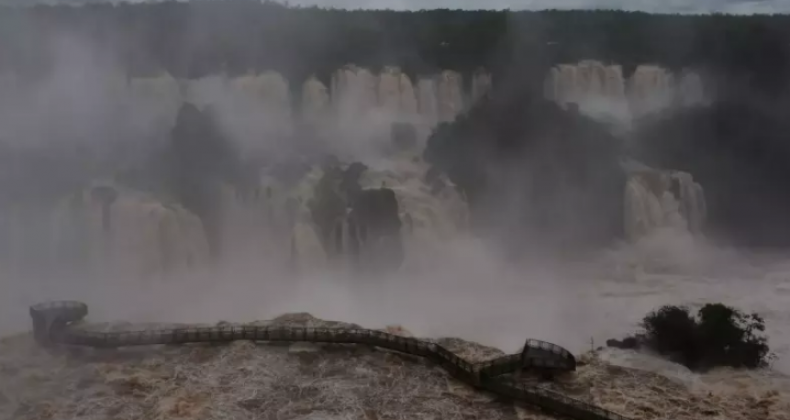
x=734 y=7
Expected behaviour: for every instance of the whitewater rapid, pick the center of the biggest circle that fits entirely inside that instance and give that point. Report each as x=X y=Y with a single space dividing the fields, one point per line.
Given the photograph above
x=452 y=285
x=465 y=295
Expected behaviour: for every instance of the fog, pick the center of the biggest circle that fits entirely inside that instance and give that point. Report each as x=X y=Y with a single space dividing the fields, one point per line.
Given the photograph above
x=456 y=285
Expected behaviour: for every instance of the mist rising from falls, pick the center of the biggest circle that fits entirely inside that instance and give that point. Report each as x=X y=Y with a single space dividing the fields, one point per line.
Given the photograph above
x=605 y=92
x=136 y=234
x=278 y=222
x=154 y=264
x=158 y=98
x=662 y=199
x=315 y=102
x=433 y=212
x=590 y=84
x=353 y=118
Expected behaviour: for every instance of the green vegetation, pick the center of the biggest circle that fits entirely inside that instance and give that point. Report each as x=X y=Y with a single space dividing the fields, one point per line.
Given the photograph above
x=204 y=37
x=718 y=336
x=523 y=161
x=737 y=149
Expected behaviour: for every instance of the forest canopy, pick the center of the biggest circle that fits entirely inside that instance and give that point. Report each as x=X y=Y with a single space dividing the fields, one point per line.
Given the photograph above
x=201 y=37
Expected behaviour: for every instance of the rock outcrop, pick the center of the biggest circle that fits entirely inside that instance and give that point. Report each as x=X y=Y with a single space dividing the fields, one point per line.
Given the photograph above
x=328 y=211
x=199 y=160
x=374 y=226
x=359 y=225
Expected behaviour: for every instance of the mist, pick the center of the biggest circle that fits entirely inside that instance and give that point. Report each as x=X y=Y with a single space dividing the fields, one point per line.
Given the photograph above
x=83 y=120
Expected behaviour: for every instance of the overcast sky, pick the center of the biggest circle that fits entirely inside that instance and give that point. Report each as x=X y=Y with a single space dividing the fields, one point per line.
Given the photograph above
x=652 y=6
x=662 y=6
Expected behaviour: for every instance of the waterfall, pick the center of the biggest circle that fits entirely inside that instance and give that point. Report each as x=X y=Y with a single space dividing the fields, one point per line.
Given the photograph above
x=602 y=91
x=256 y=108
x=354 y=92
x=389 y=94
x=315 y=102
x=427 y=102
x=661 y=199
x=449 y=95
x=156 y=97
x=650 y=89
x=481 y=84
x=135 y=235
x=408 y=98
x=597 y=89
x=431 y=214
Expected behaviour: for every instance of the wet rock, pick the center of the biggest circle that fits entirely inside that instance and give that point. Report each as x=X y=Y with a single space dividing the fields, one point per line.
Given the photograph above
x=328 y=209
x=375 y=227
x=349 y=183
x=628 y=343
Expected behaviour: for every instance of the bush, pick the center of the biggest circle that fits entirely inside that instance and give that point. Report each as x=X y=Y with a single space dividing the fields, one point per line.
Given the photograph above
x=718 y=336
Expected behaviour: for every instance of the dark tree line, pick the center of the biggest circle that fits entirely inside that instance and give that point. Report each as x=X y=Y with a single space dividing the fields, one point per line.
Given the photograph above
x=201 y=37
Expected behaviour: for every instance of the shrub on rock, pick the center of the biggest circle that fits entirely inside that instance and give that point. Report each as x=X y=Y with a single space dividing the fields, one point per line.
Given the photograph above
x=718 y=336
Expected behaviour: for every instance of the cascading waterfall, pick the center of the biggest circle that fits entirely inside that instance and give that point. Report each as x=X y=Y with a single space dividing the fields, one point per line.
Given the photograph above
x=260 y=109
x=603 y=91
x=661 y=199
x=315 y=102
x=396 y=94
x=144 y=236
x=205 y=91
x=598 y=89
x=389 y=96
x=435 y=215
x=691 y=89
x=481 y=84
x=133 y=234
x=650 y=88
x=427 y=103
x=431 y=215
x=449 y=95
x=157 y=98
x=354 y=92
